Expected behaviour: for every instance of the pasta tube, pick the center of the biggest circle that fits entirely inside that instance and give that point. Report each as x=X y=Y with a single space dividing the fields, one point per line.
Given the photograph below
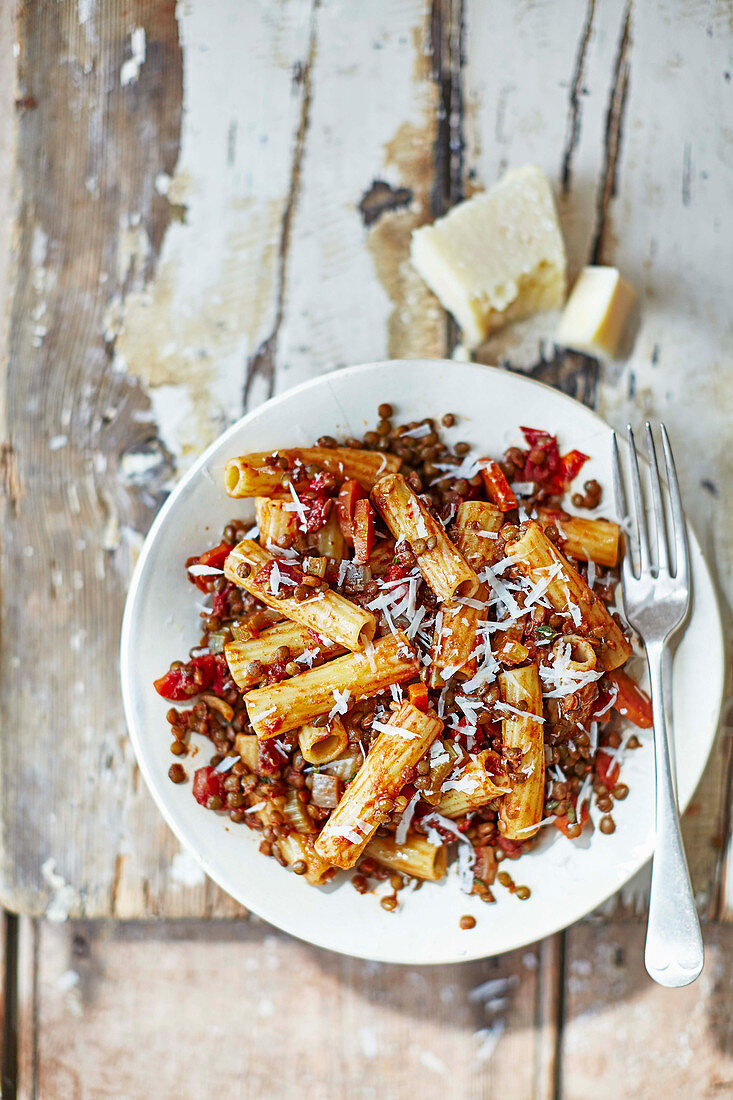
x=328 y=614
x=296 y=847
x=469 y=787
x=444 y=567
x=259 y=474
x=276 y=523
x=456 y=633
x=403 y=741
x=244 y=657
x=520 y=811
x=322 y=744
x=417 y=856
x=293 y=703
x=594 y=540
x=567 y=591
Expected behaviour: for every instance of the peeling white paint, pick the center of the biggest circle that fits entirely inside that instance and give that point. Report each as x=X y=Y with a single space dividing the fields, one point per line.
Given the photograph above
x=130 y=70
x=185 y=870
x=64 y=896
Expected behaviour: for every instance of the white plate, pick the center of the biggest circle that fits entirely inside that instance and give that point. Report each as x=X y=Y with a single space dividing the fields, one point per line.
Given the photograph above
x=567 y=879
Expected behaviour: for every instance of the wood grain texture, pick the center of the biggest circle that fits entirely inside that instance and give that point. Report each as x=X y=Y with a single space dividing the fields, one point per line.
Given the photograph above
x=625 y=1036
x=307 y=1021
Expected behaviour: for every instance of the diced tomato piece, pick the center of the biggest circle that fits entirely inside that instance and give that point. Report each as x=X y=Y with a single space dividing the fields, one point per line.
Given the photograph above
x=497 y=487
x=396 y=572
x=320 y=510
x=562 y=822
x=572 y=463
x=511 y=847
x=418 y=694
x=350 y=493
x=553 y=473
x=291 y=575
x=270 y=758
x=215 y=559
x=179 y=684
x=275 y=672
x=207 y=784
x=363 y=531
x=606 y=771
x=323 y=483
x=631 y=702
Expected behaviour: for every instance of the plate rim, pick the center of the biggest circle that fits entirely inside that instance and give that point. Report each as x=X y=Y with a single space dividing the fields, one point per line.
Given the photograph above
x=179 y=829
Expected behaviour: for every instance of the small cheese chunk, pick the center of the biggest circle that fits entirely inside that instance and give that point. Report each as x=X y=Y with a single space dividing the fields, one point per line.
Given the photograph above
x=597 y=311
x=497 y=257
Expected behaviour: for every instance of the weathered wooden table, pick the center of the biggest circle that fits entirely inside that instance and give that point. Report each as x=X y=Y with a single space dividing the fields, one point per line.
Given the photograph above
x=211 y=202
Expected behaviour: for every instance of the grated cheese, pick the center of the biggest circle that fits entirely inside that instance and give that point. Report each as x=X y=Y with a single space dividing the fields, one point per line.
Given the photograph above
x=298 y=507
x=205 y=571
x=407 y=815
x=384 y=727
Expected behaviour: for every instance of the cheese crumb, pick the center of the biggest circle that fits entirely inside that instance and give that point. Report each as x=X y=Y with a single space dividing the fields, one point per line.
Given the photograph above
x=596 y=314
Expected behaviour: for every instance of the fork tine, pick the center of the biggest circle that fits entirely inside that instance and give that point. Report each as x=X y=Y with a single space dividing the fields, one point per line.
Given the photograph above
x=659 y=518
x=682 y=557
x=643 y=541
x=622 y=510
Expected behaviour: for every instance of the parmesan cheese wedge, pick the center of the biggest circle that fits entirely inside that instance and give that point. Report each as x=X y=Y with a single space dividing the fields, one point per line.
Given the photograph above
x=497 y=257
x=596 y=313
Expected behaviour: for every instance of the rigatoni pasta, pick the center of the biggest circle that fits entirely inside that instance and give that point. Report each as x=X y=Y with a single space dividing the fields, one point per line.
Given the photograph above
x=520 y=812
x=403 y=740
x=456 y=639
x=395 y=679
x=264 y=473
x=276 y=583
x=250 y=660
x=286 y=706
x=567 y=591
x=438 y=559
x=595 y=540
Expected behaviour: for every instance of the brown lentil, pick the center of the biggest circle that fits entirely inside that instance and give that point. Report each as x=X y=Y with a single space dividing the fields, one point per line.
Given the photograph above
x=389 y=903
x=467 y=921
x=177 y=773
x=300 y=867
x=607 y=825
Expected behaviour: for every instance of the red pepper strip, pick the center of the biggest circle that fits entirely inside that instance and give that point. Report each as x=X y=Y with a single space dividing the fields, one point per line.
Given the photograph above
x=631 y=702
x=215 y=559
x=497 y=487
x=418 y=694
x=605 y=770
x=350 y=493
x=363 y=531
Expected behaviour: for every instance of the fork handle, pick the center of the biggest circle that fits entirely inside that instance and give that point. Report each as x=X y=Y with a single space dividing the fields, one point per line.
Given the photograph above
x=674 y=950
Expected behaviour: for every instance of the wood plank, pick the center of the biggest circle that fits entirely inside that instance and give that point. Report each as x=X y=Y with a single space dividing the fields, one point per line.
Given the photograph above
x=603 y=109
x=351 y=294
x=86 y=465
x=625 y=1036
x=106 y=990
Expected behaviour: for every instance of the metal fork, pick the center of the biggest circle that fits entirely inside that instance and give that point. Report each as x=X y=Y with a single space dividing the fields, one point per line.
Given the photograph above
x=656 y=599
